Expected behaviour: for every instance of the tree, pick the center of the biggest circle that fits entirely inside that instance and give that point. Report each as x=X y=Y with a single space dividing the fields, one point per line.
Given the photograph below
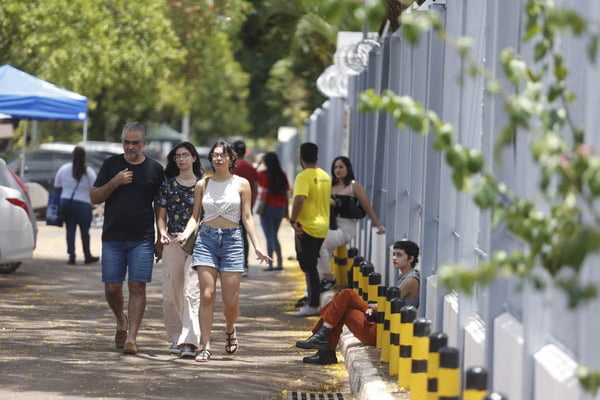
x=285 y=46
x=211 y=83
x=117 y=53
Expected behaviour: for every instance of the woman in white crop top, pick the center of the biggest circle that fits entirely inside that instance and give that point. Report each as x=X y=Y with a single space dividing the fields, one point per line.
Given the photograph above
x=221 y=200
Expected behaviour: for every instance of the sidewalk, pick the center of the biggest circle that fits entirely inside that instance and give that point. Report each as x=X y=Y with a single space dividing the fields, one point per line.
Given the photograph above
x=57 y=340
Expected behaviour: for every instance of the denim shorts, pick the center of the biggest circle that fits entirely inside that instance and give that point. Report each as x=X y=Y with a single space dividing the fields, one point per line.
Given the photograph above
x=133 y=258
x=219 y=248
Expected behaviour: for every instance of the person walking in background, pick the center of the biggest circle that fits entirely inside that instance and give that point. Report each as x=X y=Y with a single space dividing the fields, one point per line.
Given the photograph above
x=76 y=179
x=244 y=169
x=348 y=308
x=310 y=220
x=272 y=205
x=344 y=189
x=180 y=290
x=224 y=198
x=129 y=184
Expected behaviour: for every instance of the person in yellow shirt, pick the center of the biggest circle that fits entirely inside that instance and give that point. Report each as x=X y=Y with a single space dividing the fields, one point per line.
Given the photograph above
x=310 y=220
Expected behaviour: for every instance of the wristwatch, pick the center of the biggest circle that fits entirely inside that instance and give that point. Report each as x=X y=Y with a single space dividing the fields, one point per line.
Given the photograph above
x=292 y=221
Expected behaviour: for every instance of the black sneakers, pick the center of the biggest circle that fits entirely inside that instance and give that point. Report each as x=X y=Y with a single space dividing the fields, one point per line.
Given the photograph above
x=327 y=284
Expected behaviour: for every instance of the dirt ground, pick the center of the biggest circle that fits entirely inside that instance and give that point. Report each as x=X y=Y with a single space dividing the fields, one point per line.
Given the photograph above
x=57 y=337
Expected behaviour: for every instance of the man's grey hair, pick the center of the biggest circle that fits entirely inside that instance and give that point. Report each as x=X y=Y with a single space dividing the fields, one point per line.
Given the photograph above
x=134 y=126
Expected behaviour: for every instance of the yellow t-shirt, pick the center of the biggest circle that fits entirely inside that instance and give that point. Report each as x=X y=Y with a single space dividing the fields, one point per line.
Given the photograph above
x=315 y=184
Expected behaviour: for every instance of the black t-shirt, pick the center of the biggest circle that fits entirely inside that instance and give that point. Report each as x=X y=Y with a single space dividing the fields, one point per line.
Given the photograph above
x=129 y=212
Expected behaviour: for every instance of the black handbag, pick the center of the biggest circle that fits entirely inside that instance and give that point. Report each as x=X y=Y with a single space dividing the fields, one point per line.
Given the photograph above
x=349 y=206
x=355 y=209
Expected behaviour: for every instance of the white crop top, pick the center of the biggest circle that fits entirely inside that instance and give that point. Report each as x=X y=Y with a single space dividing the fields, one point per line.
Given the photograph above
x=222 y=199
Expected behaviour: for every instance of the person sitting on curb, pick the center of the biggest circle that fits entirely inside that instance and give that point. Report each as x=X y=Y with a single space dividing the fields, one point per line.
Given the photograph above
x=348 y=308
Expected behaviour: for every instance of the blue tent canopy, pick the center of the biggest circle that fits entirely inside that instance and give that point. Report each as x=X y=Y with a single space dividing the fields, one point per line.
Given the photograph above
x=25 y=96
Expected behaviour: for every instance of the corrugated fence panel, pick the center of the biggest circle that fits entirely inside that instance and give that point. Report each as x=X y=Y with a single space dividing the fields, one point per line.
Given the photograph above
x=412 y=191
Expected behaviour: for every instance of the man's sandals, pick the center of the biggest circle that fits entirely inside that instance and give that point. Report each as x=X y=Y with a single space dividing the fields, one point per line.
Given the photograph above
x=232 y=342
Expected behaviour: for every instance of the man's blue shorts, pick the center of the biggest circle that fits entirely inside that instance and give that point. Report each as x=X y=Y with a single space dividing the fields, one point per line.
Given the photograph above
x=135 y=259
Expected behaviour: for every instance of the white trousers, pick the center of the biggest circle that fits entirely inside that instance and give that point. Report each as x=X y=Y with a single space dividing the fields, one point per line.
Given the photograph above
x=343 y=235
x=181 y=296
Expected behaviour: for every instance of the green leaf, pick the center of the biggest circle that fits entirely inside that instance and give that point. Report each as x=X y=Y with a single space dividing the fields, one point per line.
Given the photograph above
x=532 y=30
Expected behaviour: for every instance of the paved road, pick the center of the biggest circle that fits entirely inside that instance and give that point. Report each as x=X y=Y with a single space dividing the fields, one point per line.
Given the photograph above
x=56 y=338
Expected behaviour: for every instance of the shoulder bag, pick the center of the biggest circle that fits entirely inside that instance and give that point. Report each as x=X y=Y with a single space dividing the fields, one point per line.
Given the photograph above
x=55 y=216
x=188 y=244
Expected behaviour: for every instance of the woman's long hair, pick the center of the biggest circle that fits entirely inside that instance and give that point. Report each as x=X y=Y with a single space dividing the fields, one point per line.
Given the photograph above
x=278 y=183
x=172 y=170
x=349 y=177
x=79 y=162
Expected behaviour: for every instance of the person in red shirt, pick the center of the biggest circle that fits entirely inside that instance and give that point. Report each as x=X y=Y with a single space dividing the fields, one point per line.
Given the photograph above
x=272 y=205
x=244 y=169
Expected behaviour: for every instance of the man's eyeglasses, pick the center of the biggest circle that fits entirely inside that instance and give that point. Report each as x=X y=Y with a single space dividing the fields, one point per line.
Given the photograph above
x=131 y=142
x=182 y=156
x=220 y=155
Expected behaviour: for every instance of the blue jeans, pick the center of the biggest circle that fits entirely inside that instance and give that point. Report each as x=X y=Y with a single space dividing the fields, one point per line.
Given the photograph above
x=77 y=213
x=270 y=220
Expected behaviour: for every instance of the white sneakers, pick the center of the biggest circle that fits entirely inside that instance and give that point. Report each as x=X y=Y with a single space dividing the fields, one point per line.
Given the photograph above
x=307 y=311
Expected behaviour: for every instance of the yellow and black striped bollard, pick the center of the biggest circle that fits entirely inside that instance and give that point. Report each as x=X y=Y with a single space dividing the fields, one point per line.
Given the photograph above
x=449 y=374
x=475 y=383
x=374 y=282
x=352 y=254
x=356 y=272
x=408 y=314
x=340 y=257
x=437 y=340
x=420 y=354
x=392 y=293
x=381 y=297
x=394 y=357
x=365 y=270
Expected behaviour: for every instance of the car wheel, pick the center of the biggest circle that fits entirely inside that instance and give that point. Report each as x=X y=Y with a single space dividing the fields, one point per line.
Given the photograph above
x=9 y=268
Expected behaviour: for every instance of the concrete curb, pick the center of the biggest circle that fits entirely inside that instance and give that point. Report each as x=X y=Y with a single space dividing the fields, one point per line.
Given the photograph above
x=369 y=379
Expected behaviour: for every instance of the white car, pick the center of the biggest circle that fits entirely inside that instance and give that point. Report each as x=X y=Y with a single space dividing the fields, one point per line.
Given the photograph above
x=16 y=232
x=18 y=227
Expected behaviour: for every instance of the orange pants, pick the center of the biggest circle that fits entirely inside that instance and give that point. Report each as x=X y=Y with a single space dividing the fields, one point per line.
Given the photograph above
x=347 y=308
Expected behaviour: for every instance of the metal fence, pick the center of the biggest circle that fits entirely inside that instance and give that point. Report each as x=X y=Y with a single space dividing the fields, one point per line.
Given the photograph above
x=412 y=192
